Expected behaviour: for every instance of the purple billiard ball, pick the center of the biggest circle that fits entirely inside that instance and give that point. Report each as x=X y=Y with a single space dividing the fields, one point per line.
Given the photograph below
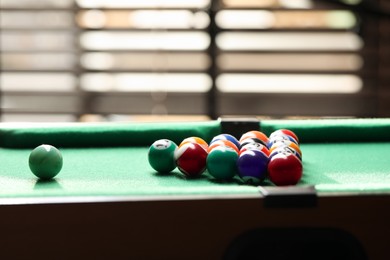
x=252 y=166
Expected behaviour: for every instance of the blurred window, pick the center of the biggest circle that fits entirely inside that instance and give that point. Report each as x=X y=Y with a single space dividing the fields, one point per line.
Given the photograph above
x=62 y=60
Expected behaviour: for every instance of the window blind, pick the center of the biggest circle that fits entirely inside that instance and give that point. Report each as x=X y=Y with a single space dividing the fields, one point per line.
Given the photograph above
x=67 y=60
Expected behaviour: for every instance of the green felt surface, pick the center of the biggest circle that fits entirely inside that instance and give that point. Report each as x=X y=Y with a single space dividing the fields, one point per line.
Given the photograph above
x=336 y=167
x=144 y=134
x=339 y=155
x=101 y=172
x=103 y=134
x=334 y=130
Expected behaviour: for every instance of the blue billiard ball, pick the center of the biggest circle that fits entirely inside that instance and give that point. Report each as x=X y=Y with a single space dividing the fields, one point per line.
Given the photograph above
x=252 y=166
x=227 y=137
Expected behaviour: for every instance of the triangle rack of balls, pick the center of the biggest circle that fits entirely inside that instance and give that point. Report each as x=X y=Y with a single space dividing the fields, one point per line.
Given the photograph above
x=253 y=158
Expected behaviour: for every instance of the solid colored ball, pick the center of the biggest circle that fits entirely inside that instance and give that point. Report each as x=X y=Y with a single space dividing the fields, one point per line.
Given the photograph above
x=195 y=139
x=45 y=161
x=252 y=166
x=161 y=155
x=191 y=159
x=222 y=163
x=222 y=143
x=254 y=134
x=285 y=169
x=227 y=137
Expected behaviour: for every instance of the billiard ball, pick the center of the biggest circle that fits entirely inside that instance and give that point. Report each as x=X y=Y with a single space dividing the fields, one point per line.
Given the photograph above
x=285 y=169
x=285 y=143
x=279 y=138
x=254 y=134
x=45 y=161
x=252 y=166
x=285 y=149
x=284 y=132
x=222 y=163
x=195 y=139
x=253 y=140
x=161 y=155
x=226 y=137
x=254 y=146
x=222 y=143
x=191 y=159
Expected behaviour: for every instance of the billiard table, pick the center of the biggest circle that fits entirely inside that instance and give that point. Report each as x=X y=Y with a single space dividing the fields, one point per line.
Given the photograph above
x=108 y=203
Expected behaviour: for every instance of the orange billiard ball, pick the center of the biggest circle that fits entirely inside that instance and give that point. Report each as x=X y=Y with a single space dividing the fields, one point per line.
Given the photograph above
x=254 y=134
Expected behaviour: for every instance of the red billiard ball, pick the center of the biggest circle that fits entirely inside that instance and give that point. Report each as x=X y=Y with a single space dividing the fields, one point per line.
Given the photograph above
x=252 y=166
x=285 y=169
x=191 y=159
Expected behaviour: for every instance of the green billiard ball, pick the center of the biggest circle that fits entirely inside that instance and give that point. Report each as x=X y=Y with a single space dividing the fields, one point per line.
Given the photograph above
x=161 y=155
x=222 y=163
x=45 y=161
